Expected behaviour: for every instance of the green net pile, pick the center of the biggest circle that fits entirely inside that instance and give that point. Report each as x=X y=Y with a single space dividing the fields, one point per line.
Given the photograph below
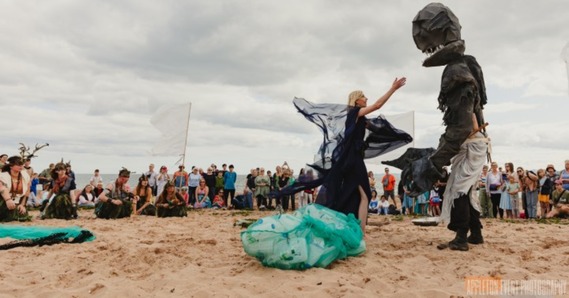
x=313 y=236
x=39 y=236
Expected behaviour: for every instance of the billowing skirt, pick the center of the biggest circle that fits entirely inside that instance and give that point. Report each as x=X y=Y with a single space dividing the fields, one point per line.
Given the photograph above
x=108 y=210
x=60 y=207
x=12 y=215
x=173 y=211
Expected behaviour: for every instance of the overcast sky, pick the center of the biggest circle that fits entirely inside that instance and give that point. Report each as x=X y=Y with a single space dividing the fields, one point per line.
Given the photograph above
x=86 y=76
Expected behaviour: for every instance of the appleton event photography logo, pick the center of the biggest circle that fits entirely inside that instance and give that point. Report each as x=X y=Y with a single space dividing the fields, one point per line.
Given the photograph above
x=496 y=286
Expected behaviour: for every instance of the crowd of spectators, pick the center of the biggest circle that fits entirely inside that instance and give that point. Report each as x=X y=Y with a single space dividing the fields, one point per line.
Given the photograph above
x=507 y=192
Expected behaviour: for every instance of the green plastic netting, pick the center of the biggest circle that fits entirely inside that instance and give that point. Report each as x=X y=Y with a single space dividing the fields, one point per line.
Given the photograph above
x=38 y=235
x=313 y=236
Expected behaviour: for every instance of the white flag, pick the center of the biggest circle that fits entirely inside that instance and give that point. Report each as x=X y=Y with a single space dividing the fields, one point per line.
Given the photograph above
x=172 y=122
x=565 y=57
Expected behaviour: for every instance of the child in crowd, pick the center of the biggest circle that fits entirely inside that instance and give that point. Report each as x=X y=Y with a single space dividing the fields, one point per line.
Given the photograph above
x=374 y=203
x=513 y=190
x=435 y=202
x=384 y=205
x=422 y=200
x=218 y=202
x=185 y=195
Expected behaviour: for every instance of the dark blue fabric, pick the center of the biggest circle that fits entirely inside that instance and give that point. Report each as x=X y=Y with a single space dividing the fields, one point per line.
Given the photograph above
x=345 y=144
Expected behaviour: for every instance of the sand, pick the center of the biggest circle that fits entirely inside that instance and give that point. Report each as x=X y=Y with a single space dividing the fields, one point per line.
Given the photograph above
x=202 y=256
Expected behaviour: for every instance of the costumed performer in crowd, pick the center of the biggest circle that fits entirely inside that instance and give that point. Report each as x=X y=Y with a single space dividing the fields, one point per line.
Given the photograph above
x=61 y=206
x=143 y=197
x=170 y=203
x=14 y=189
x=116 y=200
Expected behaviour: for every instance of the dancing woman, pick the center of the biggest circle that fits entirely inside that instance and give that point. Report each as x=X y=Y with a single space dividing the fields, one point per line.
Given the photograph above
x=343 y=173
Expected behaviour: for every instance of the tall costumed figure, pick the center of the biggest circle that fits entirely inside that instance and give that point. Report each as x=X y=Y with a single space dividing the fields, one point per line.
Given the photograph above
x=464 y=144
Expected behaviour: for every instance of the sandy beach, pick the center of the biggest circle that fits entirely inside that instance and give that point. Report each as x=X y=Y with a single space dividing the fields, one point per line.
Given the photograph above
x=202 y=256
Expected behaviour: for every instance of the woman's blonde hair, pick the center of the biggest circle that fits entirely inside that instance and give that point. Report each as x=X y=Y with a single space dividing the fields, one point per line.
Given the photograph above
x=355 y=95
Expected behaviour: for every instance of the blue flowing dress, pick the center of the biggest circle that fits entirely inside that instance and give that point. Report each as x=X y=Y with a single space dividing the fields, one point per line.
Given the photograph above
x=347 y=140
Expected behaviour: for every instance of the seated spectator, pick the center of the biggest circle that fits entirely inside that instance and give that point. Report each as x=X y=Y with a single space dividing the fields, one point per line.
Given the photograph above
x=99 y=189
x=170 y=203
x=373 y=203
x=143 y=197
x=87 y=197
x=384 y=205
x=202 y=198
x=560 y=201
x=185 y=195
x=218 y=202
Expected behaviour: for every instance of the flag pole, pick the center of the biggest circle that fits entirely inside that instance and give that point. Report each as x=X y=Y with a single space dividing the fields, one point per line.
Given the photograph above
x=187 y=131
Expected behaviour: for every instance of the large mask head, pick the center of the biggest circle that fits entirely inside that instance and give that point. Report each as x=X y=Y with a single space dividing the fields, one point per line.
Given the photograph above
x=436 y=32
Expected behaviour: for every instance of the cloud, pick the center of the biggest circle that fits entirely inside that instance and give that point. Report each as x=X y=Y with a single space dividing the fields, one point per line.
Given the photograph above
x=87 y=76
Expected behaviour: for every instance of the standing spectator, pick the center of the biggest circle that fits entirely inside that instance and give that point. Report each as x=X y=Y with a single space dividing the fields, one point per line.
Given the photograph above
x=282 y=183
x=307 y=195
x=193 y=184
x=151 y=175
x=229 y=179
x=513 y=188
x=388 y=182
x=545 y=189
x=564 y=176
x=33 y=198
x=71 y=174
x=209 y=178
x=161 y=179
x=223 y=170
x=552 y=176
x=95 y=179
x=249 y=190
x=530 y=188
x=272 y=185
x=262 y=187
x=45 y=175
x=407 y=203
x=371 y=180
x=435 y=201
x=219 y=183
x=180 y=178
x=485 y=201
x=494 y=183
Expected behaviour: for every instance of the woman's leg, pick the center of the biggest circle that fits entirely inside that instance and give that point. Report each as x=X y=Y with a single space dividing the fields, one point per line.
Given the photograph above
x=362 y=211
